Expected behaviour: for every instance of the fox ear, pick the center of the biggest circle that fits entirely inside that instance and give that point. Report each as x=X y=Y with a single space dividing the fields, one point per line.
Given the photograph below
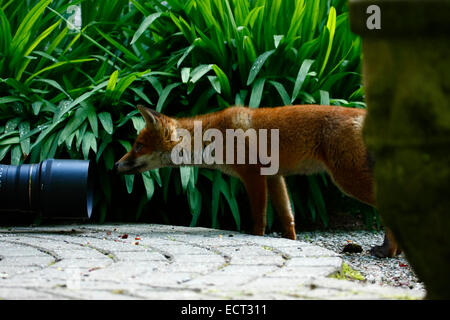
x=150 y=116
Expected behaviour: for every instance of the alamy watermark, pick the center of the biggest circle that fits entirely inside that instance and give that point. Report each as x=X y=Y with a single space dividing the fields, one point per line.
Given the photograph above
x=74 y=19
x=235 y=147
x=374 y=20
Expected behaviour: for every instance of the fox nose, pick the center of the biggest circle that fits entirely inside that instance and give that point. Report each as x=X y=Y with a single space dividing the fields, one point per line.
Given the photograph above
x=116 y=166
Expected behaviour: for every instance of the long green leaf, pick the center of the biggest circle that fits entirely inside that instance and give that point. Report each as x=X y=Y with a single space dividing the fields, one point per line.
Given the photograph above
x=23 y=33
x=331 y=27
x=223 y=80
x=282 y=92
x=301 y=76
x=200 y=71
x=148 y=184
x=106 y=121
x=216 y=186
x=257 y=92
x=56 y=65
x=112 y=83
x=130 y=55
x=318 y=199
x=5 y=34
x=164 y=94
x=257 y=65
x=185 y=174
x=144 y=26
x=28 y=51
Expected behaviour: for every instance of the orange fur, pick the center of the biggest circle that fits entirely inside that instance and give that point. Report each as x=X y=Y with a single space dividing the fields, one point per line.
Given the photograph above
x=312 y=139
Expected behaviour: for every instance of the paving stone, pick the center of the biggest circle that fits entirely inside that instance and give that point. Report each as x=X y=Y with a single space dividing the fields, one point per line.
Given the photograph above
x=219 y=280
x=140 y=256
x=140 y=261
x=298 y=272
x=259 y=270
x=314 y=261
x=199 y=258
x=25 y=294
x=82 y=263
x=18 y=261
x=170 y=279
x=247 y=251
x=277 y=260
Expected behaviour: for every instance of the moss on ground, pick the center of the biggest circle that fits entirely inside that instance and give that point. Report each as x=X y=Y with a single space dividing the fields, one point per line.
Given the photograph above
x=348 y=273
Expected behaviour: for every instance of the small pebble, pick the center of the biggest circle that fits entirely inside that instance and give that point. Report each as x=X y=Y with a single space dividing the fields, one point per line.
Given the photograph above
x=352 y=248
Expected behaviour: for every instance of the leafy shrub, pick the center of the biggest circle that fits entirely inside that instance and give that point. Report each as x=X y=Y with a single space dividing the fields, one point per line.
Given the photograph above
x=68 y=91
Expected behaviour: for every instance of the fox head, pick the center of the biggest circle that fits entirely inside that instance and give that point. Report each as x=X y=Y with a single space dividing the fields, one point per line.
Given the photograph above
x=152 y=146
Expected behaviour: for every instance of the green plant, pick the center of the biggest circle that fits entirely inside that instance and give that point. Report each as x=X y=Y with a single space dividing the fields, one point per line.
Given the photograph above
x=68 y=92
x=348 y=273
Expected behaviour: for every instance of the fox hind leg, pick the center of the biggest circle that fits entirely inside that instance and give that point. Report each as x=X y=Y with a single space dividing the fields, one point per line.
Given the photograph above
x=389 y=248
x=358 y=183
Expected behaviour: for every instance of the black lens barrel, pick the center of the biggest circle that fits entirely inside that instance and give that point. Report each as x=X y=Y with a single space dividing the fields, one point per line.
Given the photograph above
x=52 y=188
x=19 y=186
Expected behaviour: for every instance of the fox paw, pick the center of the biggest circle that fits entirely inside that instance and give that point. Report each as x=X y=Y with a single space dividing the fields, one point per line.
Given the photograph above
x=290 y=235
x=384 y=252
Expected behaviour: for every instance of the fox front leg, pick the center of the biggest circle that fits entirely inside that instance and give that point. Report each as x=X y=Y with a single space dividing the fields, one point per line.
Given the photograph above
x=279 y=198
x=256 y=186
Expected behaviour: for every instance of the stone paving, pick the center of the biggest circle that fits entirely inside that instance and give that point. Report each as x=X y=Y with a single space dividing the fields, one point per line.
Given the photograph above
x=139 y=261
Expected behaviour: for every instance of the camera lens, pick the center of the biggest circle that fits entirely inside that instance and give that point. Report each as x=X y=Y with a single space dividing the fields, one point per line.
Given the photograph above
x=52 y=188
x=18 y=187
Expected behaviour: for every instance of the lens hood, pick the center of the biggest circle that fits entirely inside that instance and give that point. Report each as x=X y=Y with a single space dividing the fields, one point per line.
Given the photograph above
x=66 y=189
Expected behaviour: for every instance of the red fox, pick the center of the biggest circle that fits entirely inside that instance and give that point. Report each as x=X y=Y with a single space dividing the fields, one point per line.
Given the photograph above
x=311 y=139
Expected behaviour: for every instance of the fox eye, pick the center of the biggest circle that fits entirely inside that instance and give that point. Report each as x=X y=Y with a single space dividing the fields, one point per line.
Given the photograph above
x=138 y=147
